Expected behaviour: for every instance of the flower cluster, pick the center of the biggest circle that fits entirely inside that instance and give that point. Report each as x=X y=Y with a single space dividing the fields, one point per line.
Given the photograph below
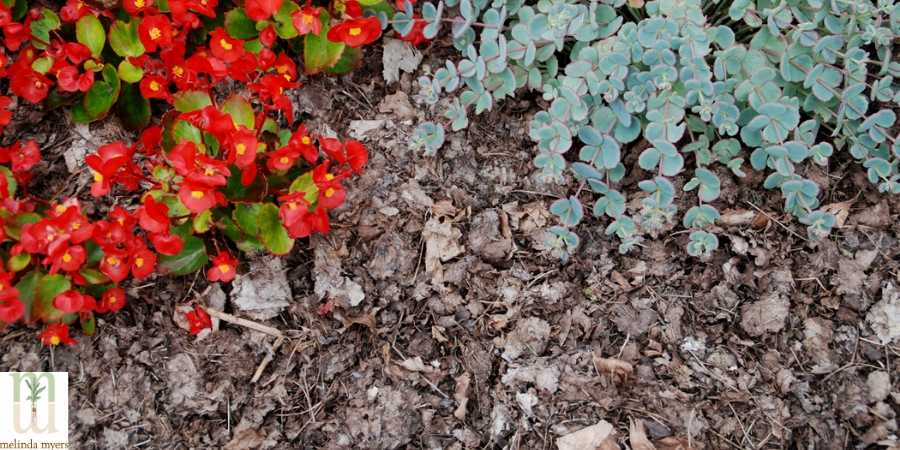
x=209 y=179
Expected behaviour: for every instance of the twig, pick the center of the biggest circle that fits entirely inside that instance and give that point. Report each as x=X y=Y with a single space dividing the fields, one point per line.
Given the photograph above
x=769 y=216
x=265 y=362
x=244 y=322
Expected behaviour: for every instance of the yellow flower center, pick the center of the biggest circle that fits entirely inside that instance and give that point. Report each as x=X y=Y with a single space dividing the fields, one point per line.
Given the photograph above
x=225 y=44
x=67 y=257
x=154 y=86
x=224 y=268
x=209 y=172
x=240 y=149
x=307 y=18
x=75 y=226
x=112 y=260
x=54 y=340
x=292 y=206
x=282 y=68
x=60 y=209
x=178 y=71
x=98 y=177
x=329 y=192
x=284 y=160
x=121 y=221
x=155 y=33
x=355 y=31
x=329 y=176
x=112 y=300
x=139 y=3
x=287 y=76
x=197 y=194
x=305 y=140
x=139 y=262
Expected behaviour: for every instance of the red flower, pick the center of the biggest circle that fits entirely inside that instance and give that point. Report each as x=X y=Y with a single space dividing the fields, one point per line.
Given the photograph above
x=303 y=142
x=65 y=257
x=14 y=35
x=70 y=301
x=24 y=157
x=155 y=32
x=143 y=262
x=167 y=244
x=225 y=47
x=112 y=300
x=282 y=159
x=114 y=266
x=197 y=197
x=5 y=114
x=331 y=192
x=285 y=67
x=306 y=20
x=198 y=320
x=69 y=80
x=356 y=32
x=223 y=268
x=352 y=152
x=153 y=216
x=11 y=310
x=293 y=211
x=105 y=164
x=29 y=85
x=55 y=334
x=135 y=7
x=243 y=148
x=155 y=86
x=73 y=10
x=259 y=10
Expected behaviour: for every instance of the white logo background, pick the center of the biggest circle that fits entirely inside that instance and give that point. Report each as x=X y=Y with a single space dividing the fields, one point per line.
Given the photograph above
x=48 y=422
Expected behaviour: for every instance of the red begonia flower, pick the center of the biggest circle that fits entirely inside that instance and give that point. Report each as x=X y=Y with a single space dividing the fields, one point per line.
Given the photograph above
x=155 y=32
x=198 y=320
x=112 y=300
x=225 y=47
x=356 y=32
x=223 y=268
x=56 y=334
x=153 y=216
x=259 y=10
x=306 y=20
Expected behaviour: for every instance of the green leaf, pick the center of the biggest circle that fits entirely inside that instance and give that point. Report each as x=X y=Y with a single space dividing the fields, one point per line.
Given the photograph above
x=18 y=262
x=239 y=26
x=100 y=98
x=124 y=40
x=202 y=221
x=41 y=28
x=240 y=110
x=88 y=324
x=318 y=52
x=184 y=131
x=272 y=232
x=129 y=73
x=304 y=183
x=284 y=23
x=42 y=65
x=134 y=109
x=27 y=287
x=94 y=276
x=49 y=287
x=191 y=258
x=245 y=214
x=89 y=31
x=187 y=101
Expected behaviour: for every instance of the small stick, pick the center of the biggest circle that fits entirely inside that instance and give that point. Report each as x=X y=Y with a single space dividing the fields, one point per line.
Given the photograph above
x=244 y=322
x=265 y=362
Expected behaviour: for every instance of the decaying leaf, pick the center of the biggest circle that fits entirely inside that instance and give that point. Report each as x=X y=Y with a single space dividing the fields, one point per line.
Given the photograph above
x=637 y=436
x=618 y=369
x=601 y=436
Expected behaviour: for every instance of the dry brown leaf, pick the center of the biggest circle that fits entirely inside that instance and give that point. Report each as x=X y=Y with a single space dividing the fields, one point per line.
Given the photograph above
x=620 y=370
x=840 y=211
x=736 y=217
x=637 y=436
x=601 y=436
x=676 y=443
x=462 y=395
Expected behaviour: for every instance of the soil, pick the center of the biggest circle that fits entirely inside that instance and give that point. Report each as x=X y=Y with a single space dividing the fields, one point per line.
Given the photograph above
x=434 y=317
